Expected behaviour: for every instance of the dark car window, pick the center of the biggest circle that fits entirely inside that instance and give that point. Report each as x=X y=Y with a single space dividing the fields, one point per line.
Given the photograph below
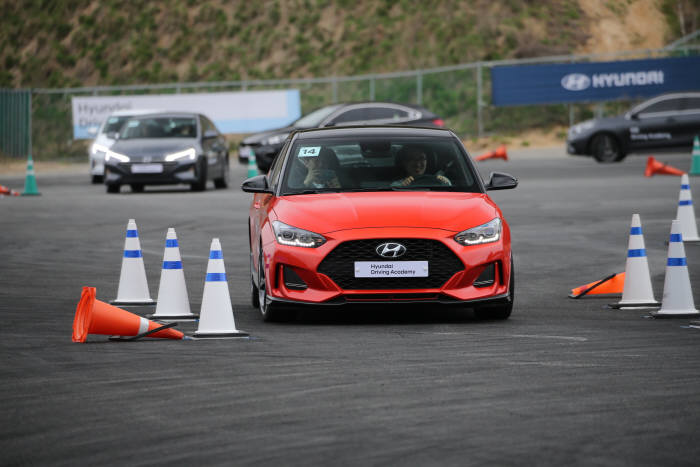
x=159 y=127
x=692 y=104
x=114 y=124
x=276 y=167
x=668 y=105
x=386 y=113
x=354 y=115
x=377 y=164
x=207 y=125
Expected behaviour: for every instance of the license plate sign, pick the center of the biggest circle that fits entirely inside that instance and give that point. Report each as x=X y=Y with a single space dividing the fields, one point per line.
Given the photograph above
x=391 y=269
x=147 y=168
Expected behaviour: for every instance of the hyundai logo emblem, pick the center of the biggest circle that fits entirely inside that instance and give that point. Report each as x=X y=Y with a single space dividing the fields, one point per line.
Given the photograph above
x=391 y=250
x=575 y=82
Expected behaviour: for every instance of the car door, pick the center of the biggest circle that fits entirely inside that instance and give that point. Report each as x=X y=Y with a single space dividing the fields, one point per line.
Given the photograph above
x=656 y=125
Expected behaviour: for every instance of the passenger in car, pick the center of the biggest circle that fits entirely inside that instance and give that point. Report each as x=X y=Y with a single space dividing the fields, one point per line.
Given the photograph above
x=321 y=170
x=412 y=161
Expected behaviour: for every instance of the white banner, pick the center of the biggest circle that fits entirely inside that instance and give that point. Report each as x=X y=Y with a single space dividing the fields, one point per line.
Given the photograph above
x=232 y=112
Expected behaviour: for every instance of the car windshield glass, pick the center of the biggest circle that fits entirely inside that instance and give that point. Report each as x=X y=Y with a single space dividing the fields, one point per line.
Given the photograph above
x=377 y=164
x=114 y=124
x=159 y=127
x=314 y=118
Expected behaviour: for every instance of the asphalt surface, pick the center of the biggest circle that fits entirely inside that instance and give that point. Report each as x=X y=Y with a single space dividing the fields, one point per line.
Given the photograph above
x=563 y=382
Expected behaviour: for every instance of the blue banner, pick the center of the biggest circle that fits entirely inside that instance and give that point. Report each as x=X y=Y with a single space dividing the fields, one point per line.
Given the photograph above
x=598 y=81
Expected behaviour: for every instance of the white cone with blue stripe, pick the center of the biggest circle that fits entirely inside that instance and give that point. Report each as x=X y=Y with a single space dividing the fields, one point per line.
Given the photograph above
x=637 y=290
x=173 y=300
x=677 y=301
x=133 y=286
x=216 y=314
x=686 y=213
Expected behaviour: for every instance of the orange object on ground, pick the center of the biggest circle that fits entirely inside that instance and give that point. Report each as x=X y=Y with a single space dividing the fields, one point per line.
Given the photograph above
x=7 y=191
x=655 y=167
x=95 y=317
x=612 y=284
x=499 y=153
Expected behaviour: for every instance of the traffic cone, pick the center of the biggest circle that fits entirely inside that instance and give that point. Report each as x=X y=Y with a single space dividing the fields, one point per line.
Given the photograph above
x=7 y=191
x=678 y=296
x=252 y=164
x=695 y=162
x=93 y=316
x=30 y=188
x=133 y=287
x=499 y=153
x=173 y=301
x=685 y=213
x=655 y=167
x=216 y=314
x=637 y=290
x=611 y=284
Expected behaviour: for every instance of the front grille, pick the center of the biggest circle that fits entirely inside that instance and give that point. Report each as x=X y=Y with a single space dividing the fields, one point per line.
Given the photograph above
x=339 y=264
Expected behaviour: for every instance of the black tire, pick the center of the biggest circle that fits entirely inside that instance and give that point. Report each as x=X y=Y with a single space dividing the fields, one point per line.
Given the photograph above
x=254 y=297
x=270 y=311
x=97 y=179
x=223 y=181
x=113 y=188
x=606 y=149
x=137 y=187
x=201 y=172
x=499 y=312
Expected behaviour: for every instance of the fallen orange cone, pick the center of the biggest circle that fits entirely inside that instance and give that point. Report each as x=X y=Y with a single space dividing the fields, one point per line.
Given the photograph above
x=612 y=284
x=655 y=167
x=8 y=191
x=499 y=153
x=95 y=317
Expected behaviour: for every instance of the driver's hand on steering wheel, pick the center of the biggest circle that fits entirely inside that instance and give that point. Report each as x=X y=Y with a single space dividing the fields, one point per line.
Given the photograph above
x=444 y=180
x=406 y=181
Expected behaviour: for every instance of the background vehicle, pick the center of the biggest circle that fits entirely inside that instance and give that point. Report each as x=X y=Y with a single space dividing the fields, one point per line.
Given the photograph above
x=167 y=148
x=666 y=121
x=267 y=144
x=366 y=237
x=105 y=138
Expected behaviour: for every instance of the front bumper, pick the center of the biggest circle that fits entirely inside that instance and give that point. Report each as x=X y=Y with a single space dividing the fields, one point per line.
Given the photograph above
x=172 y=173
x=460 y=287
x=577 y=146
x=97 y=163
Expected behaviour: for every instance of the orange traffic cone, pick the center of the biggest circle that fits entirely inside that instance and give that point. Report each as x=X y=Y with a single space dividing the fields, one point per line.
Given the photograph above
x=655 y=167
x=612 y=284
x=499 y=153
x=8 y=191
x=95 y=317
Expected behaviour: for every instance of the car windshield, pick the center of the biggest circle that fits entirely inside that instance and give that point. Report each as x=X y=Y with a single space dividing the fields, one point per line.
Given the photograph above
x=114 y=124
x=377 y=164
x=315 y=118
x=159 y=127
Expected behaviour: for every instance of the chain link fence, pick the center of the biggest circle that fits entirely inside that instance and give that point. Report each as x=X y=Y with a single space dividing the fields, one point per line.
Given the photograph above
x=460 y=94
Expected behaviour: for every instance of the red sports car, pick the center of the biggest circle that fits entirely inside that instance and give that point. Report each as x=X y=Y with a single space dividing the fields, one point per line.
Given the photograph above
x=378 y=214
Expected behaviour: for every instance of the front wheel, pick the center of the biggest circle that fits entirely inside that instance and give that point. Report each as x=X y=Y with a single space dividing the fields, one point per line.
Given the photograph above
x=606 y=149
x=201 y=174
x=112 y=188
x=97 y=179
x=223 y=181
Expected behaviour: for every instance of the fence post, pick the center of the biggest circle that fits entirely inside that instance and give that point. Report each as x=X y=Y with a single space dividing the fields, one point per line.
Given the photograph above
x=479 y=103
x=371 y=89
x=334 y=87
x=419 y=88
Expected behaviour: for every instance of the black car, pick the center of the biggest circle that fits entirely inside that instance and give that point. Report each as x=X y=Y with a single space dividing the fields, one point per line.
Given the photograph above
x=266 y=145
x=667 y=121
x=167 y=148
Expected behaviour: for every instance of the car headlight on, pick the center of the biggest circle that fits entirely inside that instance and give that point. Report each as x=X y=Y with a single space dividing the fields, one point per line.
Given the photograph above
x=187 y=154
x=109 y=155
x=292 y=236
x=276 y=139
x=98 y=149
x=484 y=233
x=581 y=127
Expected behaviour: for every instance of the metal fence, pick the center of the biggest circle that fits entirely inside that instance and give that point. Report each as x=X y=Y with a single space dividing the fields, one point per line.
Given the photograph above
x=460 y=94
x=15 y=122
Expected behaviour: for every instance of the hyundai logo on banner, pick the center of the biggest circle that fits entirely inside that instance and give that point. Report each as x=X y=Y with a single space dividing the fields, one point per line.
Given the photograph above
x=595 y=81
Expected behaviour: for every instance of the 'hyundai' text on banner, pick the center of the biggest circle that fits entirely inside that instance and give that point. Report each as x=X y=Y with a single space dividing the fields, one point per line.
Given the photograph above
x=598 y=81
x=232 y=112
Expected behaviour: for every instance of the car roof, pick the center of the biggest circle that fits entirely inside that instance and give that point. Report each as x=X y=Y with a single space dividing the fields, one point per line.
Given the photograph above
x=164 y=113
x=378 y=130
x=132 y=112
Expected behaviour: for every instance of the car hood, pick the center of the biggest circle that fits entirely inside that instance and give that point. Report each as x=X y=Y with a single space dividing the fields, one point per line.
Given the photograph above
x=156 y=149
x=329 y=212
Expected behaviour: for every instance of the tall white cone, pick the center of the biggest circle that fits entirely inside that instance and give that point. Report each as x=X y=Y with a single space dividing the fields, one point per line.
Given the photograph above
x=173 y=301
x=685 y=213
x=637 y=290
x=678 y=296
x=216 y=314
x=133 y=286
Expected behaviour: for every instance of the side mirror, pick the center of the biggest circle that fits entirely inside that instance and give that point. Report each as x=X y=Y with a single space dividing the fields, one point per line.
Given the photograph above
x=634 y=116
x=210 y=134
x=501 y=181
x=257 y=184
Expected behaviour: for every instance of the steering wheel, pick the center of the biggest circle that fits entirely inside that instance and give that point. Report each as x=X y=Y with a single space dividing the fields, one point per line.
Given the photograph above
x=428 y=179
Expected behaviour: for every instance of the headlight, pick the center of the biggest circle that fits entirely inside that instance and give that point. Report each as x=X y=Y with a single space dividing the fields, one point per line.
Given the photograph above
x=485 y=233
x=186 y=154
x=276 y=139
x=581 y=127
x=98 y=148
x=292 y=236
x=115 y=155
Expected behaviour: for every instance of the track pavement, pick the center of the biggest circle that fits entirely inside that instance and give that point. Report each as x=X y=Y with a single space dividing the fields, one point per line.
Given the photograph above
x=563 y=382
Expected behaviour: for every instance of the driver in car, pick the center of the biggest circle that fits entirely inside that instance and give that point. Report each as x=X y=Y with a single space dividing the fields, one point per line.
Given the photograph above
x=413 y=161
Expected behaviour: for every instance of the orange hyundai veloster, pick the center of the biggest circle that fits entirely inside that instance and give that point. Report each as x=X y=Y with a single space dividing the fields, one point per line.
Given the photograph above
x=376 y=215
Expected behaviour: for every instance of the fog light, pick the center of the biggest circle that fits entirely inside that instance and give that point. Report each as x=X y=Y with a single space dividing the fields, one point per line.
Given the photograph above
x=487 y=277
x=292 y=280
